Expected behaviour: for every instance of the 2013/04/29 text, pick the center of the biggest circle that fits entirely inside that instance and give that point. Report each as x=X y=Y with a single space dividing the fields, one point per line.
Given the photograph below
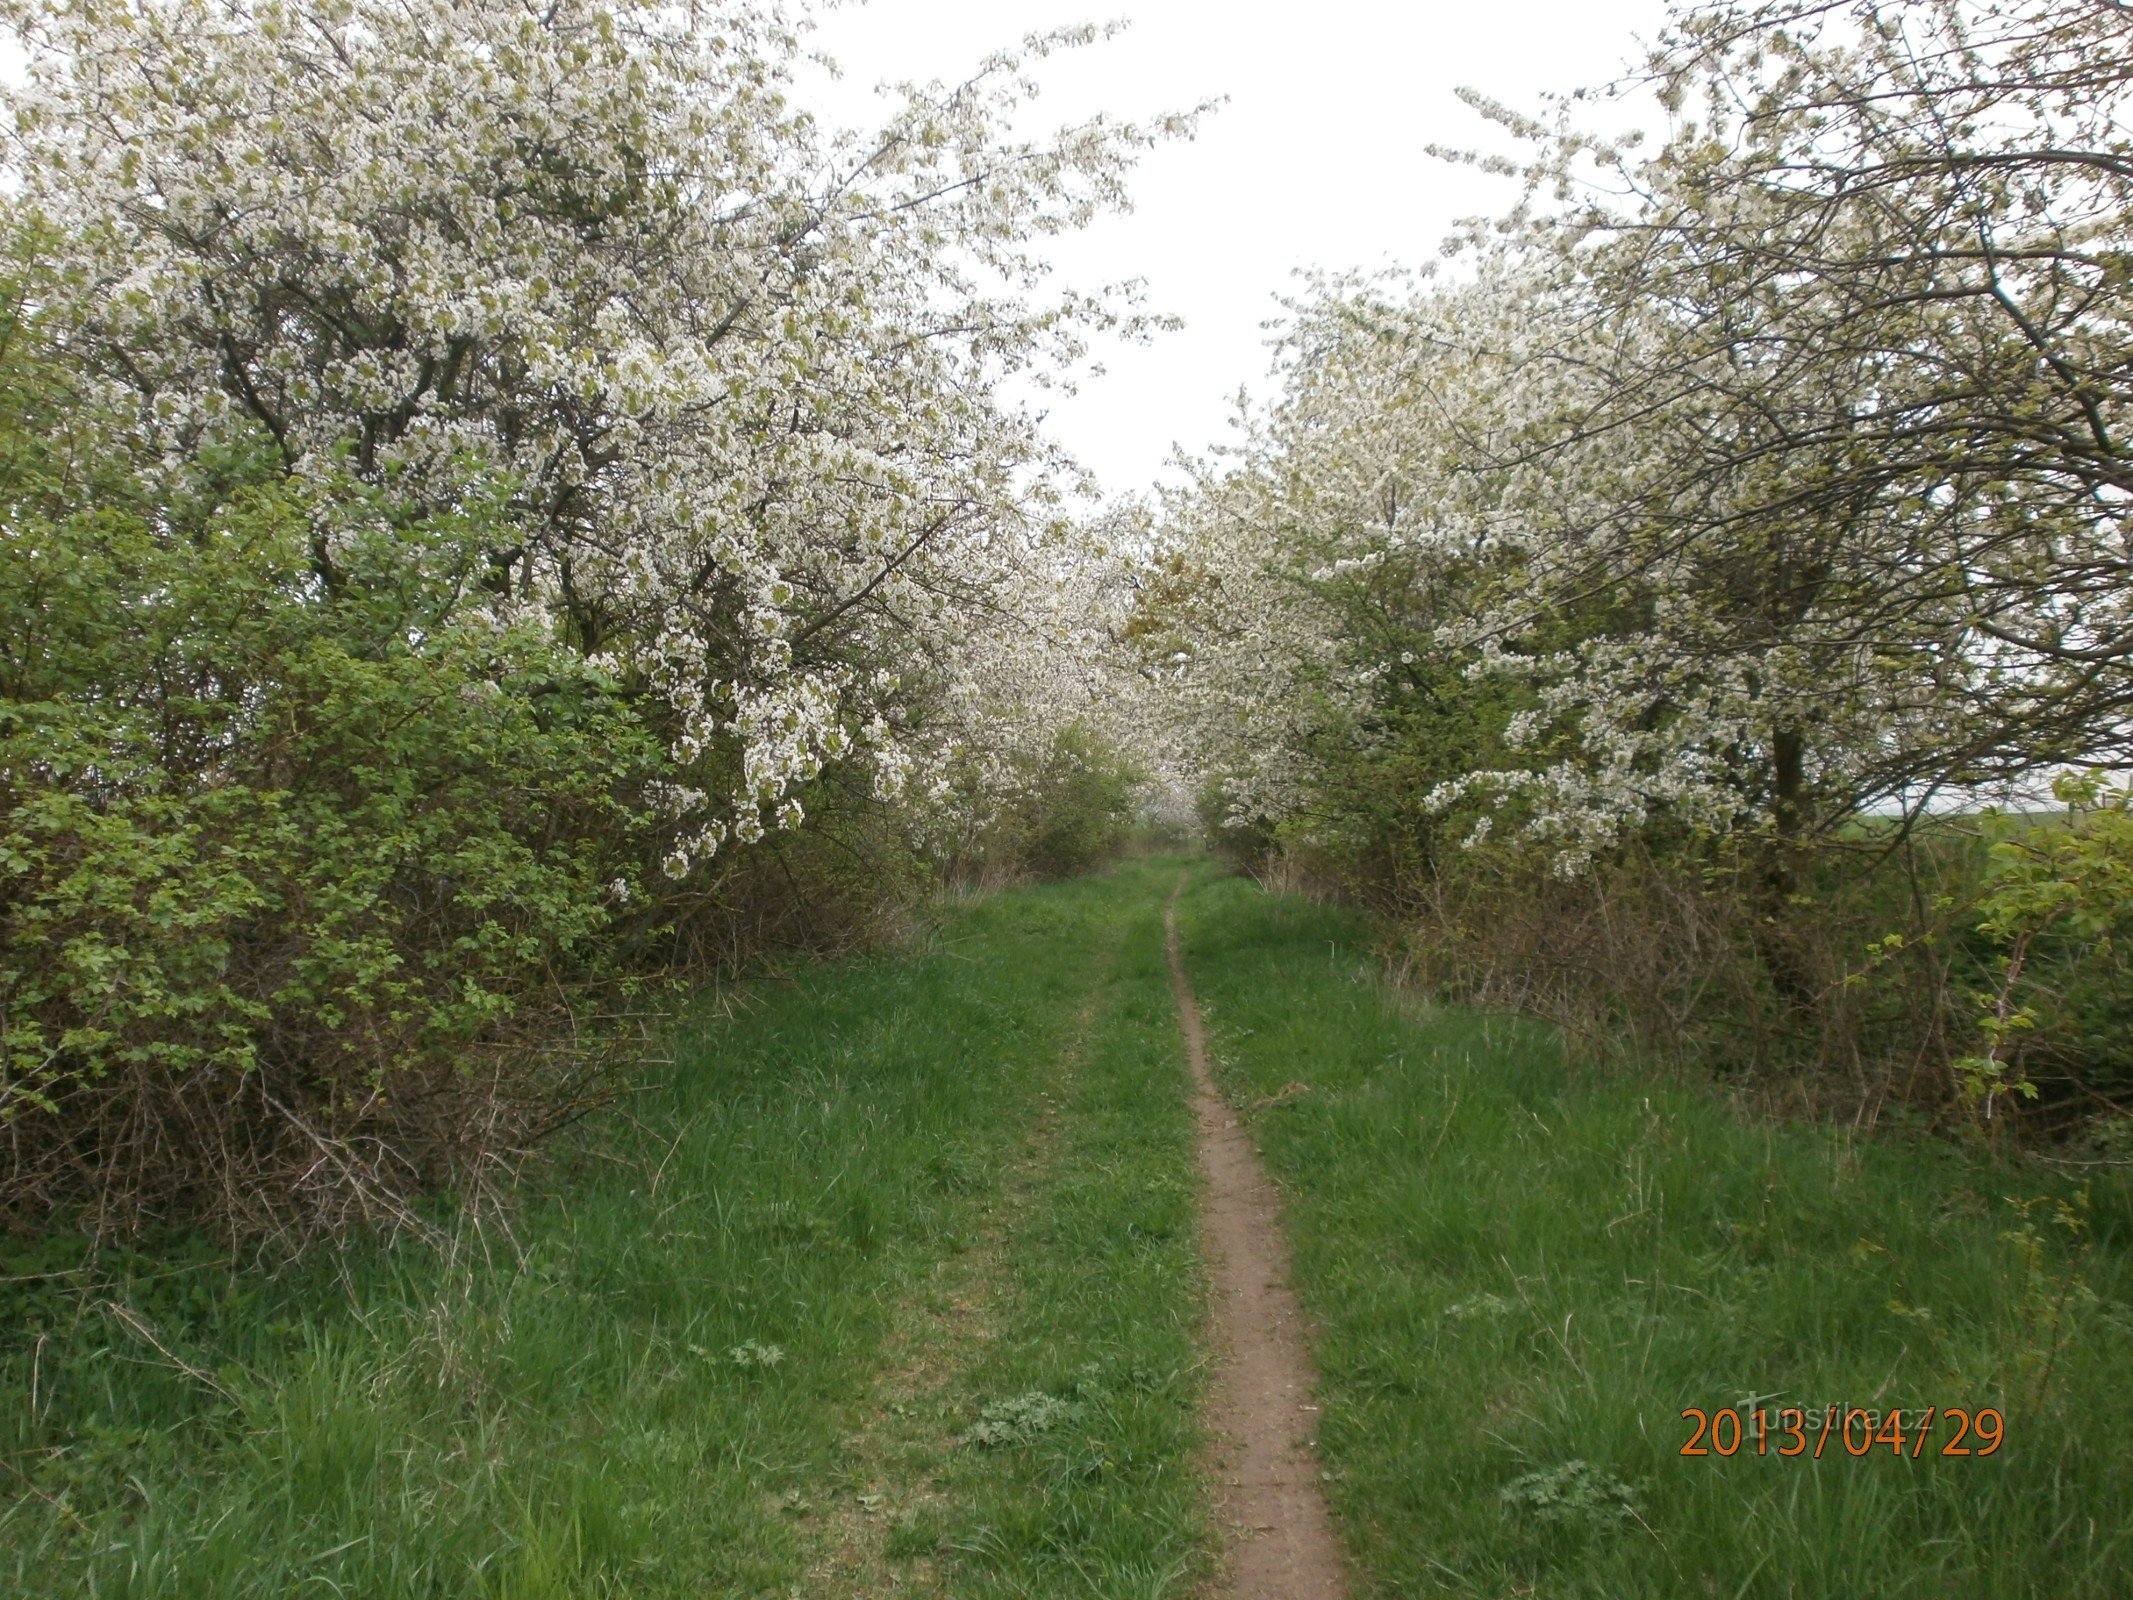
x=1793 y=1431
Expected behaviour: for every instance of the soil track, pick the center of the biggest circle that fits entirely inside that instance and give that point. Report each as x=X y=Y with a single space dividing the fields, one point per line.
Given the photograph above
x=1272 y=1500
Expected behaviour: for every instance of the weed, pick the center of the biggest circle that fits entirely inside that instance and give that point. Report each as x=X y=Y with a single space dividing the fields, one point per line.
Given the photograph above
x=1575 y=1494
x=749 y=1355
x=1020 y=1419
x=1479 y=1306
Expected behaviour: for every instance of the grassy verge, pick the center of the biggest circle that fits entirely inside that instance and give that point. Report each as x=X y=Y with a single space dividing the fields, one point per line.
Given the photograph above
x=1523 y=1276
x=646 y=1388
x=1039 y=1438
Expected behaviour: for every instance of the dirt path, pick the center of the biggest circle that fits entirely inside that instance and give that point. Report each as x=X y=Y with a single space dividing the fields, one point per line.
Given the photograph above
x=1280 y=1538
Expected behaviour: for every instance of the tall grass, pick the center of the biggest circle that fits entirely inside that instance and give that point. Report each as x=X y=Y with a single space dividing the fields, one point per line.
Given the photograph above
x=890 y=1284
x=1105 y=1296
x=1516 y=1267
x=635 y=1385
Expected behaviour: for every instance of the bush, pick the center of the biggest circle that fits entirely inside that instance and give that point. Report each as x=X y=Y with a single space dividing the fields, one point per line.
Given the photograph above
x=2056 y=1012
x=1077 y=804
x=1671 y=948
x=1072 y=806
x=287 y=872
x=322 y=857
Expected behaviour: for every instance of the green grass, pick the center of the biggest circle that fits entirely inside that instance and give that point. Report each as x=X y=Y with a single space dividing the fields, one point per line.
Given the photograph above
x=560 y=1411
x=1516 y=1268
x=1040 y=1441
x=890 y=1285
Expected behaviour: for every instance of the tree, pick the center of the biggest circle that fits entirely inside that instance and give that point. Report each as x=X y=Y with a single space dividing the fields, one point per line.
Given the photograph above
x=462 y=457
x=1308 y=595
x=1852 y=354
x=733 y=376
x=1770 y=476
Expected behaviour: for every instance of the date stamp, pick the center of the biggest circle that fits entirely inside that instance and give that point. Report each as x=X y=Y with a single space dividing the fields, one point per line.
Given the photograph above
x=1794 y=1431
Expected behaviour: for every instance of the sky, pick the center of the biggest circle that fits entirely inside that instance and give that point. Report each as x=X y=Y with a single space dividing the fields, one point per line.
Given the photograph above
x=1317 y=159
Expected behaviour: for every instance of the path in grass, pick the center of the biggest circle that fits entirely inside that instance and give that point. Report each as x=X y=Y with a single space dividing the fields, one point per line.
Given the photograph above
x=893 y=1285
x=1520 y=1273
x=893 y=1459
x=1032 y=1428
x=1262 y=1407
x=887 y=1285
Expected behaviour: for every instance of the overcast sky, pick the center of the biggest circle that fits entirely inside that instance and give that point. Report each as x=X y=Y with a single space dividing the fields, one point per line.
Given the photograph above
x=1317 y=159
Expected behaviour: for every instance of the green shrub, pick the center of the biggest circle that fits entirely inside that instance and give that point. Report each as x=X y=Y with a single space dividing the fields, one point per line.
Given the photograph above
x=1071 y=807
x=286 y=871
x=321 y=859
x=2056 y=1012
x=1077 y=805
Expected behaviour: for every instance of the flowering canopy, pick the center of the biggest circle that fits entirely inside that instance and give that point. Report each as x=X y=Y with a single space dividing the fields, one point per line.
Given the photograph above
x=732 y=378
x=1774 y=474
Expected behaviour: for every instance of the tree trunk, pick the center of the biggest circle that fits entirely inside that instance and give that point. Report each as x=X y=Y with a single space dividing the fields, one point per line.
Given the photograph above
x=1776 y=910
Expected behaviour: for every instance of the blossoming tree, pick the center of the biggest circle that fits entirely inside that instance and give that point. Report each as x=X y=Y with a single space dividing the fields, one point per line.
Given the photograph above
x=1781 y=470
x=464 y=460
x=733 y=378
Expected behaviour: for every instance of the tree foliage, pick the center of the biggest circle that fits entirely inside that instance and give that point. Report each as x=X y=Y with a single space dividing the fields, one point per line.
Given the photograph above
x=502 y=510
x=1728 y=491
x=731 y=376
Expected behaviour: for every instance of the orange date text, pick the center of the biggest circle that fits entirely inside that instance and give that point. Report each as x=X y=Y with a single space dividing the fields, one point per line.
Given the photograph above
x=1838 y=1431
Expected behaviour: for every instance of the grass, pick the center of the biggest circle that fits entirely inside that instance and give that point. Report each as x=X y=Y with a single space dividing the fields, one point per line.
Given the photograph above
x=1522 y=1275
x=1037 y=1437
x=890 y=1285
x=661 y=1382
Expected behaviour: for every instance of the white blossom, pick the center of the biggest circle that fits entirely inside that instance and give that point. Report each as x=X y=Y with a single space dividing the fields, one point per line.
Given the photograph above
x=733 y=377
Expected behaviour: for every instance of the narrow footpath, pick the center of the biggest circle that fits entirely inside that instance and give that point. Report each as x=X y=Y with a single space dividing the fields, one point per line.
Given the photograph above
x=1261 y=1412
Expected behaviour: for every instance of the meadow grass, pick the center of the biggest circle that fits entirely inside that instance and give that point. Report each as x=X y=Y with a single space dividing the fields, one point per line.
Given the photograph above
x=1054 y=1455
x=890 y=1283
x=1522 y=1274
x=652 y=1382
